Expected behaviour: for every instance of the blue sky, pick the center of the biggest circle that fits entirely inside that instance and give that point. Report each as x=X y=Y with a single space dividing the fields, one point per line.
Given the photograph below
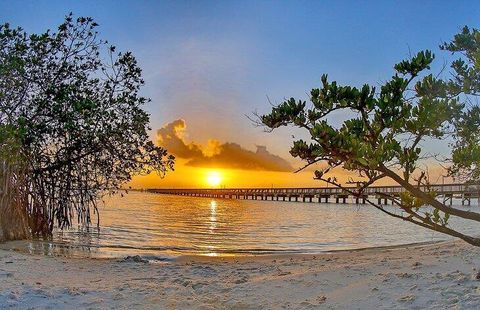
x=211 y=63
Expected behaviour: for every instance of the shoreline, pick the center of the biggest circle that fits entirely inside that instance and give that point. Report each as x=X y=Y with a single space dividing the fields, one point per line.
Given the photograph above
x=442 y=274
x=260 y=257
x=18 y=245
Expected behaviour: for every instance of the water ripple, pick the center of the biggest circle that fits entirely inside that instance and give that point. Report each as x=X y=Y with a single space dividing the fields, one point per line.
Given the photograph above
x=161 y=226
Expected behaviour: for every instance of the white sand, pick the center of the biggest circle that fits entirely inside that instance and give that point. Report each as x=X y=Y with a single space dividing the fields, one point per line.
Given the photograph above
x=430 y=276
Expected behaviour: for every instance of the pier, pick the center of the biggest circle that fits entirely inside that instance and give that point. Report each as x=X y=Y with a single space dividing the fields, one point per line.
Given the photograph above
x=445 y=193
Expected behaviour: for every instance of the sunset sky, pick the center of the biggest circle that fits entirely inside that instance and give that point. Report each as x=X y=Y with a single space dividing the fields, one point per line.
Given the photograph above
x=209 y=64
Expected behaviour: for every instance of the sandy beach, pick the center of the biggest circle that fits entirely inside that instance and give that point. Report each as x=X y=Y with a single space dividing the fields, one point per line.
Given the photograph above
x=431 y=276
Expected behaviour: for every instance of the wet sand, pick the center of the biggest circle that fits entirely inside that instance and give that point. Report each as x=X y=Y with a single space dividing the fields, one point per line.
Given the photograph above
x=440 y=275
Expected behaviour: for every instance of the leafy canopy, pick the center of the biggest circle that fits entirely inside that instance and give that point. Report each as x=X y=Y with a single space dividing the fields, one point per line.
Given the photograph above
x=466 y=83
x=377 y=134
x=382 y=134
x=76 y=104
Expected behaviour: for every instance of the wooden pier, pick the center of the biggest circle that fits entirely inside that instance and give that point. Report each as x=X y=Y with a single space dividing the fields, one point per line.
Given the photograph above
x=445 y=193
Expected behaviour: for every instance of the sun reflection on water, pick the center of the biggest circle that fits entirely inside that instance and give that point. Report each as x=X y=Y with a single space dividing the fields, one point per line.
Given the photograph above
x=213 y=216
x=213 y=226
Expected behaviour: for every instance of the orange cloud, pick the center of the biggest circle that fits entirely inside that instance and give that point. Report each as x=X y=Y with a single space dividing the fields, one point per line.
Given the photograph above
x=217 y=154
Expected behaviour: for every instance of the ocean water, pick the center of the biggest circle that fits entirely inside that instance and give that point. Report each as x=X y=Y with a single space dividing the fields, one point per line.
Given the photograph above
x=162 y=226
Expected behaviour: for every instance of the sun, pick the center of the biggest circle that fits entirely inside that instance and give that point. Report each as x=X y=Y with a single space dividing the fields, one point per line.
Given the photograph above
x=213 y=178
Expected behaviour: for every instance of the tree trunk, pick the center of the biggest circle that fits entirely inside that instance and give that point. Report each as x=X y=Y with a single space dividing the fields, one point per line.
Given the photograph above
x=13 y=215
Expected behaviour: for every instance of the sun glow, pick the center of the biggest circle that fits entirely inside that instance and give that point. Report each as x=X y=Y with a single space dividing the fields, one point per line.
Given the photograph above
x=213 y=178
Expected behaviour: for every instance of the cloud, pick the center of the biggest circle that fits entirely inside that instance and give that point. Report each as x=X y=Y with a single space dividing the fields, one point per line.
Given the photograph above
x=217 y=154
x=171 y=136
x=232 y=155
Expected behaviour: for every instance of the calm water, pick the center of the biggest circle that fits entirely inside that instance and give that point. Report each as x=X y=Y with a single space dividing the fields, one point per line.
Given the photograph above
x=165 y=226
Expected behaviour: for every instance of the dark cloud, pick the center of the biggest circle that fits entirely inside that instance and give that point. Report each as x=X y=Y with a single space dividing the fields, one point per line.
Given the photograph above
x=216 y=154
x=170 y=136
x=232 y=155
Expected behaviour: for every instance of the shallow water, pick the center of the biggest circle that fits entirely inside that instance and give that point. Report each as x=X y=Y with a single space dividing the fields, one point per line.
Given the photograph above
x=162 y=226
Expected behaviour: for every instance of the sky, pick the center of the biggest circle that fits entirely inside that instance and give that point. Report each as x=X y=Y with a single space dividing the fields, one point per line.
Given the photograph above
x=207 y=65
